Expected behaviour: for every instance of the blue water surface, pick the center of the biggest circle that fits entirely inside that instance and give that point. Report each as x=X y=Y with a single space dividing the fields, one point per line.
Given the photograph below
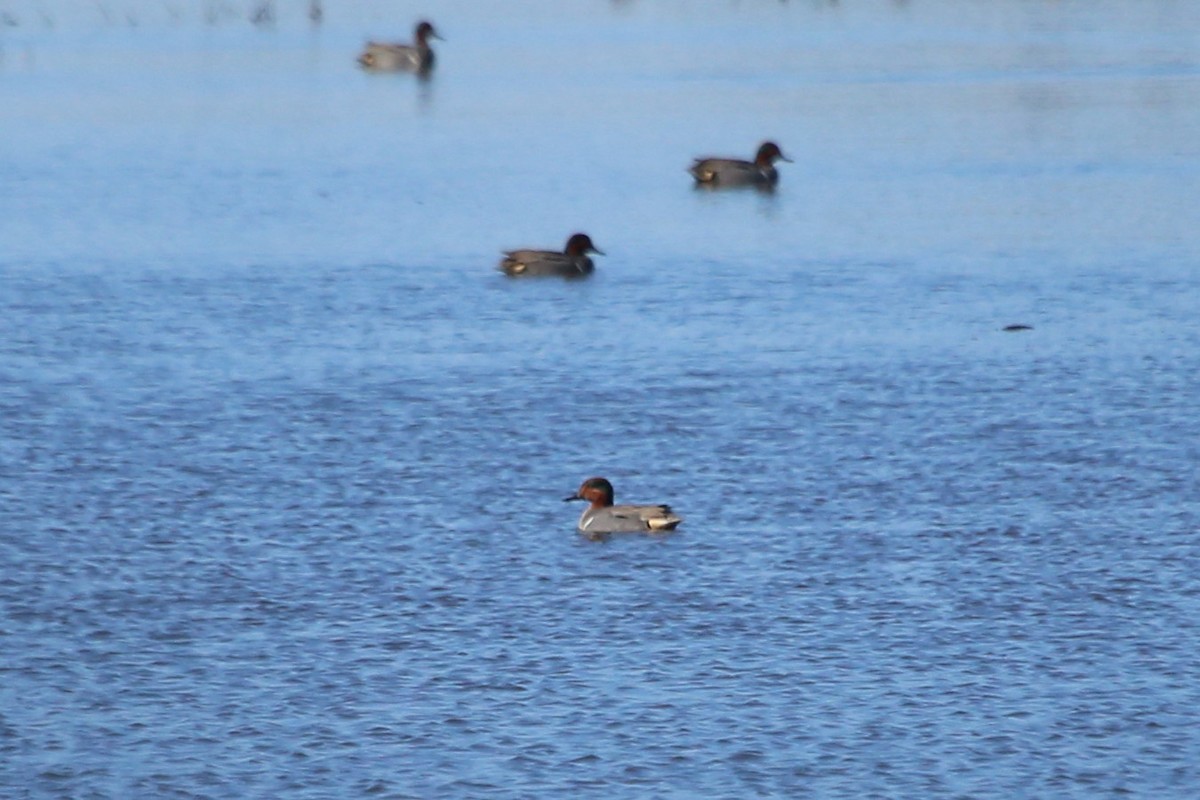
x=282 y=455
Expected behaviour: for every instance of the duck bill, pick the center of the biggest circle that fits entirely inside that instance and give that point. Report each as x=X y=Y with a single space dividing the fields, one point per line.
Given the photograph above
x=572 y=497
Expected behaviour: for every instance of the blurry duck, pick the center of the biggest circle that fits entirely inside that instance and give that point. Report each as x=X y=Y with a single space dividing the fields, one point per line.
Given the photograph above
x=263 y=13
x=416 y=57
x=737 y=172
x=572 y=262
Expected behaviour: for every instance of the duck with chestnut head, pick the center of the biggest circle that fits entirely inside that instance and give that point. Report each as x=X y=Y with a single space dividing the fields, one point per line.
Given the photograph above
x=572 y=262
x=714 y=171
x=400 y=57
x=603 y=517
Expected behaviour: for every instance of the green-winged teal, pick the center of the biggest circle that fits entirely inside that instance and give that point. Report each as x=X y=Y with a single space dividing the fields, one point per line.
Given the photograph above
x=602 y=517
x=388 y=57
x=736 y=172
x=572 y=262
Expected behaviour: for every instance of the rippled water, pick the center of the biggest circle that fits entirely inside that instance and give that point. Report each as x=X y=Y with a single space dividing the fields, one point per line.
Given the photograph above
x=281 y=454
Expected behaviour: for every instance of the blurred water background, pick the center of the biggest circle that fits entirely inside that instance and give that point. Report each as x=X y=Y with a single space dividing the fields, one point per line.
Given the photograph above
x=281 y=454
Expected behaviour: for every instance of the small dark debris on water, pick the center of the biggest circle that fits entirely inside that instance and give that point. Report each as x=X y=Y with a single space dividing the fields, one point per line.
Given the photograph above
x=1017 y=327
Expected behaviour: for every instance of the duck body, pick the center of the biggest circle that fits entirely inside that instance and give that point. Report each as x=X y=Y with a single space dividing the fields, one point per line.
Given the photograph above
x=714 y=171
x=603 y=517
x=396 y=57
x=572 y=262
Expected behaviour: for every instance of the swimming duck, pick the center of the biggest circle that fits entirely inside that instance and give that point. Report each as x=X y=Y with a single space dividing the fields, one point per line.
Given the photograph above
x=571 y=263
x=416 y=57
x=602 y=517
x=736 y=172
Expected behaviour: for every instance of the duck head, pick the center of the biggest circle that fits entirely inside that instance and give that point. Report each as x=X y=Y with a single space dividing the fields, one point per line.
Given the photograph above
x=768 y=154
x=425 y=32
x=597 y=491
x=580 y=244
